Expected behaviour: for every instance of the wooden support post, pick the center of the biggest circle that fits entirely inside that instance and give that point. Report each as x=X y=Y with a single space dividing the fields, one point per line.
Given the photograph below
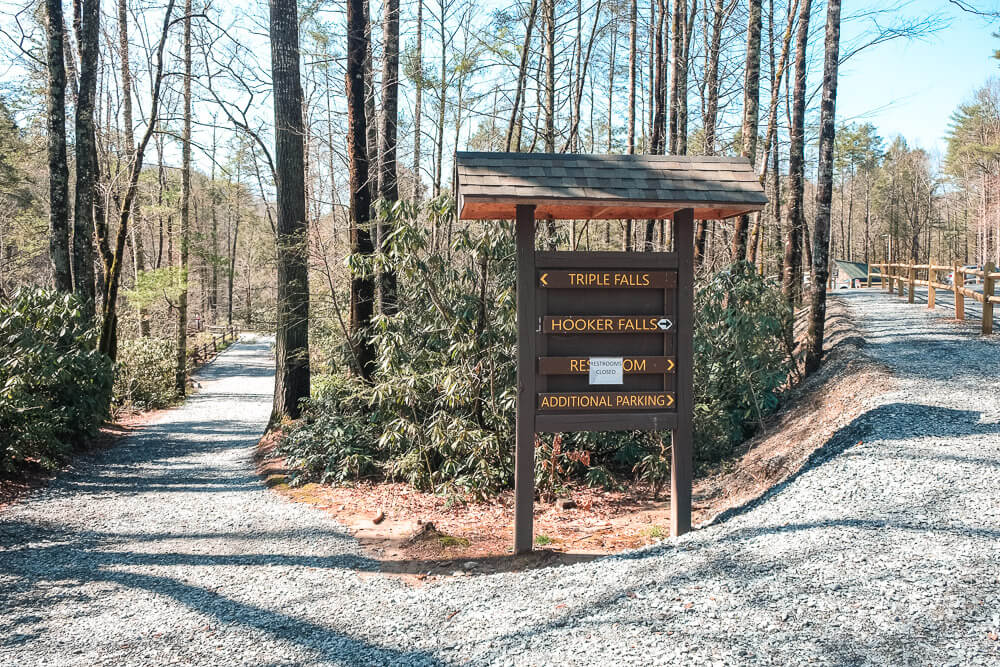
x=957 y=282
x=912 y=279
x=988 y=290
x=899 y=279
x=524 y=454
x=931 y=292
x=681 y=466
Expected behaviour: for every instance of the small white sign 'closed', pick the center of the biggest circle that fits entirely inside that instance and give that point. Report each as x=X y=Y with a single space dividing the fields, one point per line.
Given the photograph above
x=606 y=370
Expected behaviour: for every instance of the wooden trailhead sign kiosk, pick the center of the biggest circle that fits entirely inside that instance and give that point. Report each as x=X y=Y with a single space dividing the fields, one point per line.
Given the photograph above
x=605 y=339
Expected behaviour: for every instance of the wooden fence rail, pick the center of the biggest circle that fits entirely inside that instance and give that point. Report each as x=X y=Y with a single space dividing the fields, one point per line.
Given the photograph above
x=894 y=277
x=202 y=354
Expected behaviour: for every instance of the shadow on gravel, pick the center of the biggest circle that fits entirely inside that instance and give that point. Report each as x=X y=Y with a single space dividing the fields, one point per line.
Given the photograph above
x=867 y=524
x=65 y=560
x=737 y=569
x=893 y=421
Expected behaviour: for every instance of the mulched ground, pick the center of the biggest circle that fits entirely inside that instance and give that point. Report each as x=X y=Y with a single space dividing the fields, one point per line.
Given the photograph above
x=416 y=534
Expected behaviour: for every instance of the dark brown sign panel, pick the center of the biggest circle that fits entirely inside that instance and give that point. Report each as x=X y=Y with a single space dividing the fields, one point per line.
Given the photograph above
x=607 y=279
x=607 y=400
x=604 y=344
x=581 y=365
x=606 y=324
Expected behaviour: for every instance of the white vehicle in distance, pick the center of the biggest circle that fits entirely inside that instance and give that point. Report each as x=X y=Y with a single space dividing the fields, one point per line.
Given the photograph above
x=969 y=280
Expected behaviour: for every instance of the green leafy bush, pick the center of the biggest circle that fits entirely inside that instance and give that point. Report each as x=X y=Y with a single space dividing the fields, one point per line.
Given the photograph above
x=741 y=357
x=54 y=384
x=440 y=412
x=144 y=374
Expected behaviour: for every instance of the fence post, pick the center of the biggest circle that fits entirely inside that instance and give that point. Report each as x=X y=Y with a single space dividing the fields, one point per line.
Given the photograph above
x=912 y=279
x=899 y=279
x=931 y=292
x=988 y=289
x=957 y=282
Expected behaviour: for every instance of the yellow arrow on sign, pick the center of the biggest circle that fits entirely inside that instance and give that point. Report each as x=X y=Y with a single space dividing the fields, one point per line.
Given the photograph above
x=670 y=400
x=670 y=365
x=542 y=279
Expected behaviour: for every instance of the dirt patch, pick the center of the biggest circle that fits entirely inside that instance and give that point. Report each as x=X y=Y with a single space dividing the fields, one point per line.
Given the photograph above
x=823 y=403
x=421 y=536
x=33 y=476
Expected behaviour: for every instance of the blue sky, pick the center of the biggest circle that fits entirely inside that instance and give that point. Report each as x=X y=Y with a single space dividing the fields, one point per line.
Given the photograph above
x=912 y=87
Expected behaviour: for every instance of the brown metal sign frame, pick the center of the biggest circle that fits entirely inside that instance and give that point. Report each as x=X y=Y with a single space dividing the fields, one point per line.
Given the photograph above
x=533 y=344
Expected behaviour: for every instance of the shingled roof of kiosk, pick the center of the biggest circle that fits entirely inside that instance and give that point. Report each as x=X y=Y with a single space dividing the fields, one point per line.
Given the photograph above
x=604 y=187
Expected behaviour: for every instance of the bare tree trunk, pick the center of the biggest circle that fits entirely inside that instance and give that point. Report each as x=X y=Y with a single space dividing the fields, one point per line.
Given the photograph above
x=648 y=95
x=418 y=103
x=611 y=85
x=657 y=139
x=576 y=88
x=108 y=342
x=362 y=286
x=583 y=64
x=659 y=93
x=72 y=75
x=522 y=73
x=370 y=115
x=550 y=76
x=213 y=300
x=292 y=340
x=751 y=103
x=231 y=249
x=824 y=190
x=550 y=99
x=180 y=370
x=443 y=89
x=88 y=29
x=776 y=207
x=633 y=20
x=771 y=135
x=388 y=185
x=58 y=170
x=711 y=114
x=677 y=35
x=682 y=85
x=792 y=281
x=138 y=250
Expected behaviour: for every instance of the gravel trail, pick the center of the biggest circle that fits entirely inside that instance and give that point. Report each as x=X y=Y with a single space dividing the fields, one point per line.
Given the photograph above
x=945 y=302
x=884 y=550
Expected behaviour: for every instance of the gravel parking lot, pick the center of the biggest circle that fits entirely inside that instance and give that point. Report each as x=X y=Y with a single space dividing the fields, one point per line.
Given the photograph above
x=884 y=550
